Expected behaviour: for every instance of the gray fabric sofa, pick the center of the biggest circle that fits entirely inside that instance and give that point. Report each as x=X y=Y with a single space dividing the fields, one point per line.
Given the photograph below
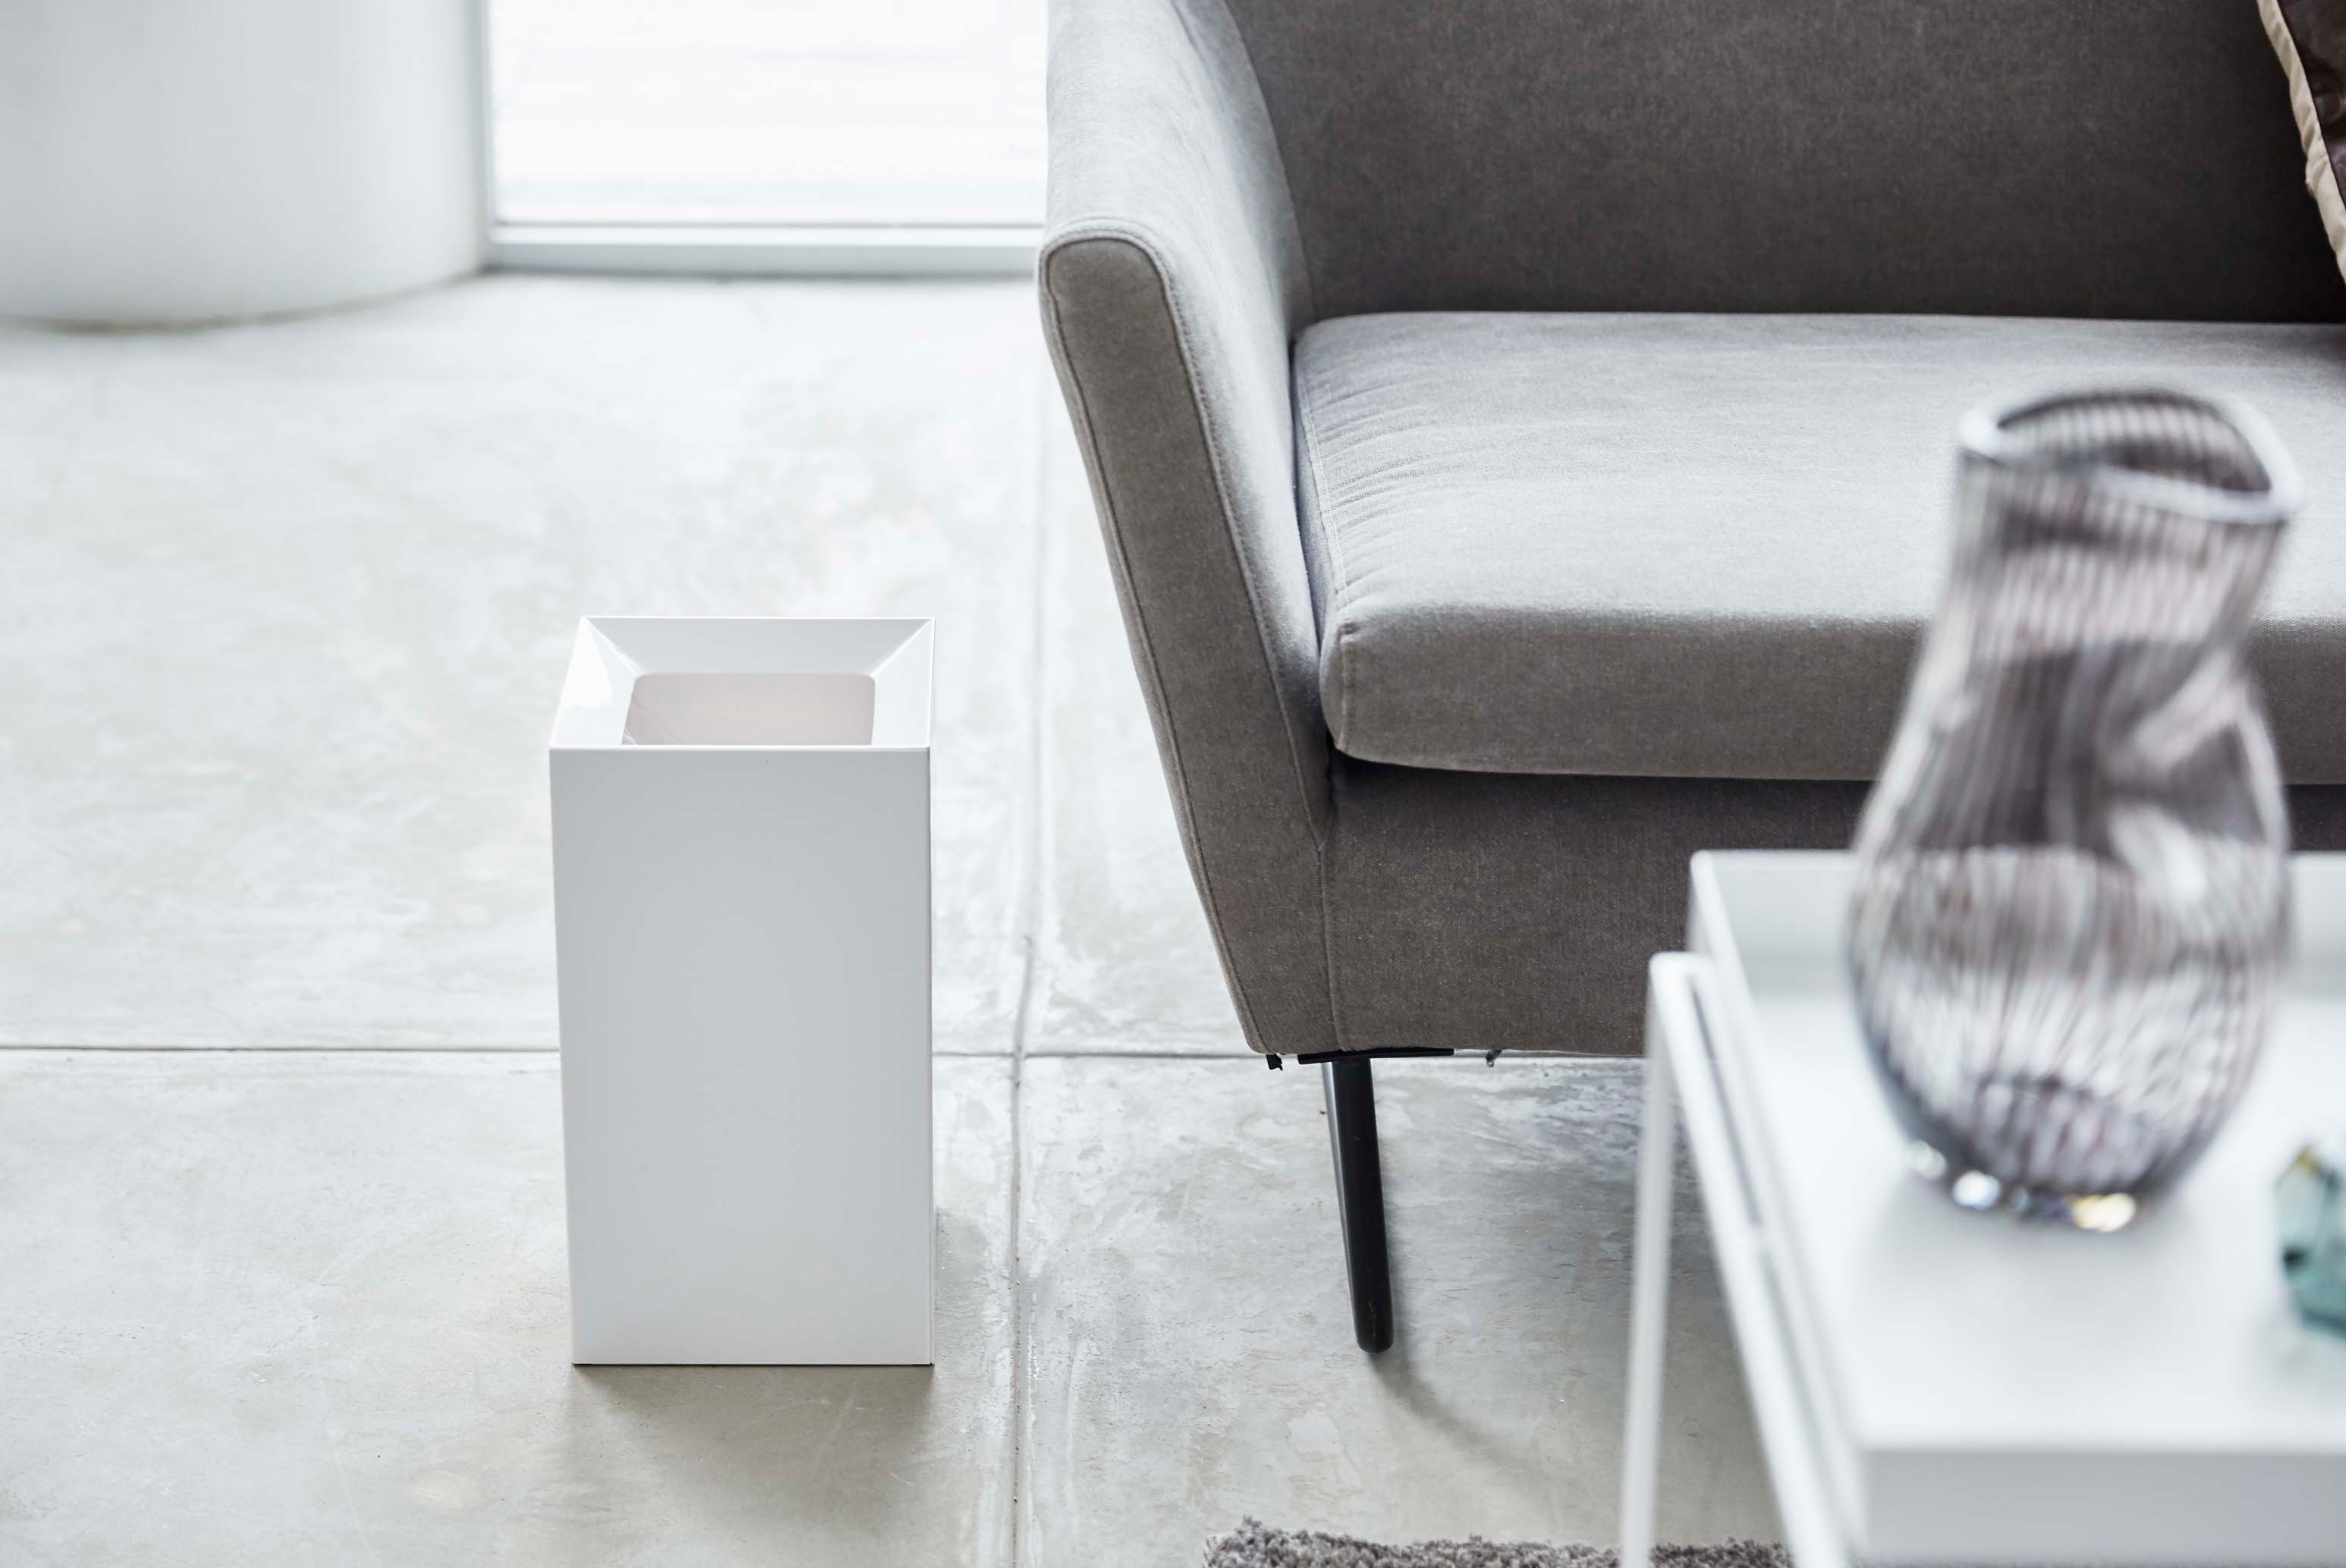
x=1522 y=432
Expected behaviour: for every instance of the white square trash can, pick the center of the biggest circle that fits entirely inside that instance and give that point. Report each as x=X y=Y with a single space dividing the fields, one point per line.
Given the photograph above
x=741 y=925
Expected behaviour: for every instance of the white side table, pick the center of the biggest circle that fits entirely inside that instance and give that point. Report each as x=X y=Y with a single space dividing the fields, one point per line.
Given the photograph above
x=741 y=921
x=1932 y=1385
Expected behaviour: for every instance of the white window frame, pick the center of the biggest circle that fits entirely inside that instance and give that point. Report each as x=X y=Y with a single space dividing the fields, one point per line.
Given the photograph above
x=728 y=249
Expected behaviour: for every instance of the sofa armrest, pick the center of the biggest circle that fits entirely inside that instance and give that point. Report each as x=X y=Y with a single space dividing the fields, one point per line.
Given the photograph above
x=1172 y=282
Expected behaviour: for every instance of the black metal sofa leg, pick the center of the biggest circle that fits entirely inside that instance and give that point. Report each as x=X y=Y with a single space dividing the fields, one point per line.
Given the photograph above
x=1360 y=1198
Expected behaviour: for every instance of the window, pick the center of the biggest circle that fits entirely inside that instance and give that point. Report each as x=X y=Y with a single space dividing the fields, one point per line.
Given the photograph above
x=782 y=115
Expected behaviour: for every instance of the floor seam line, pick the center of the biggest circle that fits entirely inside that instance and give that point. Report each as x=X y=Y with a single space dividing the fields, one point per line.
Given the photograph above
x=1032 y=902
x=191 y=1049
x=525 y=1053
x=516 y=1052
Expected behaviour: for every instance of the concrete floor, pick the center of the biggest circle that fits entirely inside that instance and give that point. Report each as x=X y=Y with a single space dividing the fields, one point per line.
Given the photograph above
x=282 y=614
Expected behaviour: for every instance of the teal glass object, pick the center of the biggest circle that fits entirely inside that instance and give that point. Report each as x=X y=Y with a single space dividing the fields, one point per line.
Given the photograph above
x=2309 y=1200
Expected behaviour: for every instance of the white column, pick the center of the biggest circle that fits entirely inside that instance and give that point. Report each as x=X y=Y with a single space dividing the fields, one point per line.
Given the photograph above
x=173 y=161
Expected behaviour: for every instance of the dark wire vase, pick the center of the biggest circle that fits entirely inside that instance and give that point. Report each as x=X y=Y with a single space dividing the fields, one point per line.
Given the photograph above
x=2071 y=909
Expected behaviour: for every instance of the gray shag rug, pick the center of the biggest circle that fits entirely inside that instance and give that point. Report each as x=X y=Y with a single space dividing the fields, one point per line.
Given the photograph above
x=1255 y=1546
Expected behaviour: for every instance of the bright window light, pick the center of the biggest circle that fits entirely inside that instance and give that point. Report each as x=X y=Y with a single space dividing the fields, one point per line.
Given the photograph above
x=768 y=112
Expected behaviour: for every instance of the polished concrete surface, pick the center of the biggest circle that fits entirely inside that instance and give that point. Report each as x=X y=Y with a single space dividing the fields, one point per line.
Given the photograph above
x=281 y=1244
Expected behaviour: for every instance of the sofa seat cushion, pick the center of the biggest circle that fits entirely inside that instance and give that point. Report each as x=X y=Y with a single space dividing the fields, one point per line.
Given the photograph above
x=1705 y=546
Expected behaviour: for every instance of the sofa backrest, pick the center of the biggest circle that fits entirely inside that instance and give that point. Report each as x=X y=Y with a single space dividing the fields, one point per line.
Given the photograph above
x=2071 y=157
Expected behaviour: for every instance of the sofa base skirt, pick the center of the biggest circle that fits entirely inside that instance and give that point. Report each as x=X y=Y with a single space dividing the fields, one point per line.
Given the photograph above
x=1516 y=912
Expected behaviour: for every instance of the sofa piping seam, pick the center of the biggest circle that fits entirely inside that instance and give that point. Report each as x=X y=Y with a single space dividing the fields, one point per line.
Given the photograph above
x=1341 y=573
x=1082 y=410
x=1116 y=229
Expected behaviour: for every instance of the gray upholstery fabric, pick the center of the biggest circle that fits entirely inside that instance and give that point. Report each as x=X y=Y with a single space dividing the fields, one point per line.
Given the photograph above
x=2070 y=158
x=2121 y=158
x=1482 y=910
x=1490 y=911
x=1171 y=284
x=1691 y=545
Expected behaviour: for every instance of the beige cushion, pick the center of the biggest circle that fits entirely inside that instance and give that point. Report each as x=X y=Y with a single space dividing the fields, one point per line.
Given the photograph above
x=2310 y=36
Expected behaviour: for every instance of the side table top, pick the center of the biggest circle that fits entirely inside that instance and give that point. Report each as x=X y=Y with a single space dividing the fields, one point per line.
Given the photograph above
x=2135 y=1384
